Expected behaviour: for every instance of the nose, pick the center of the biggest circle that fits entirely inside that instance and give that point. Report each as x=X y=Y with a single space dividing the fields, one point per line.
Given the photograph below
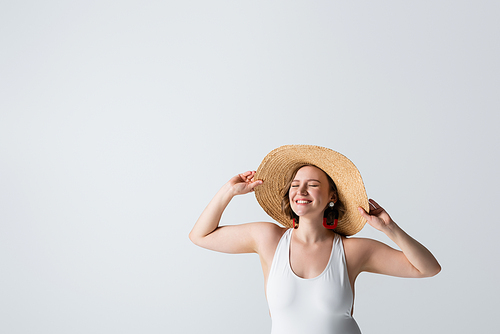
x=302 y=190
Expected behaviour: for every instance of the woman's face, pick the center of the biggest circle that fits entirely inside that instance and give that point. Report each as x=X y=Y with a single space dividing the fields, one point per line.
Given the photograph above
x=310 y=192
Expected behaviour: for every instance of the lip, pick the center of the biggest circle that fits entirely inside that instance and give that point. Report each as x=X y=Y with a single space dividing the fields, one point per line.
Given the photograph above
x=302 y=200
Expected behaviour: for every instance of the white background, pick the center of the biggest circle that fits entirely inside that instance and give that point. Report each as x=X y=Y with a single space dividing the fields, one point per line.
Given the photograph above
x=119 y=120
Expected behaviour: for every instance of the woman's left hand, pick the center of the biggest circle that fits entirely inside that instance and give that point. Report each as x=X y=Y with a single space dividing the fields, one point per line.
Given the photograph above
x=377 y=217
x=414 y=261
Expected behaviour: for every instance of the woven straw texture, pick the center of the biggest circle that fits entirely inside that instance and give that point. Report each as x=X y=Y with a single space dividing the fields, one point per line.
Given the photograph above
x=274 y=170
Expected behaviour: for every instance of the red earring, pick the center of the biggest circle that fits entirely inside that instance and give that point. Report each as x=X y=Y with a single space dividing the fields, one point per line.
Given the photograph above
x=295 y=225
x=330 y=226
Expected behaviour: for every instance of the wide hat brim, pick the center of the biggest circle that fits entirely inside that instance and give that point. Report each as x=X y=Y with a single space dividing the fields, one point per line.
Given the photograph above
x=276 y=166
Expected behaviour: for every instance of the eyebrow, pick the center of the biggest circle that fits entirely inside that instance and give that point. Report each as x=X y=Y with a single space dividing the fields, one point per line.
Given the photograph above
x=308 y=180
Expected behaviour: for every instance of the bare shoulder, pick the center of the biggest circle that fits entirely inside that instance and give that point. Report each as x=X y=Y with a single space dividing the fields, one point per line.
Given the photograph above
x=357 y=252
x=267 y=235
x=356 y=242
x=376 y=257
x=358 y=246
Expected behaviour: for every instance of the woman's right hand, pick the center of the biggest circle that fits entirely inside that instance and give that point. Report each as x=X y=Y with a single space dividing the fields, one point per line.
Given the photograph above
x=244 y=183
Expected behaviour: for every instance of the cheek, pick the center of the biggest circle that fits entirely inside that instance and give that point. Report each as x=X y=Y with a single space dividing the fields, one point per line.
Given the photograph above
x=320 y=195
x=291 y=195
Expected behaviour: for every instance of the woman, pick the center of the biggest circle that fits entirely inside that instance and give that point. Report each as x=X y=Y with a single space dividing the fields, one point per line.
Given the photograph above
x=310 y=266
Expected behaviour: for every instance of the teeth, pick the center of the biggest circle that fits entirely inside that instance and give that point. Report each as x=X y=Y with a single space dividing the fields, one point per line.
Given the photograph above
x=303 y=202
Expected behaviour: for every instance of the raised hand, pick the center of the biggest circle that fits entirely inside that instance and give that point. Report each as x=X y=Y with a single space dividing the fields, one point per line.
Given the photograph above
x=244 y=183
x=377 y=217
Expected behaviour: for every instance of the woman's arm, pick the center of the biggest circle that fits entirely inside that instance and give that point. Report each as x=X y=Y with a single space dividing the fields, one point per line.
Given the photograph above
x=207 y=233
x=414 y=260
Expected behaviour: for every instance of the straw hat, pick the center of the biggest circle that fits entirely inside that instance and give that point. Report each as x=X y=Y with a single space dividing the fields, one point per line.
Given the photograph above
x=276 y=166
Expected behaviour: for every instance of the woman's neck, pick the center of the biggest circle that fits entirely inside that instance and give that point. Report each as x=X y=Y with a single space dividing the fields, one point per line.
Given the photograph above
x=311 y=230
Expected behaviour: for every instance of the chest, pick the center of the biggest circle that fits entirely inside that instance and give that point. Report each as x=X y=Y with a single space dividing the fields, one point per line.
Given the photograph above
x=309 y=261
x=310 y=280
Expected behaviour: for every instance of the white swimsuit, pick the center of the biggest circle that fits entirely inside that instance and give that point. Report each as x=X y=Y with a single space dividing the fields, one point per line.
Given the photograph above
x=320 y=305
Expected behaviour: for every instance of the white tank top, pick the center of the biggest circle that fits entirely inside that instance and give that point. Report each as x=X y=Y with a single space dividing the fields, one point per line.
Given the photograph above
x=320 y=305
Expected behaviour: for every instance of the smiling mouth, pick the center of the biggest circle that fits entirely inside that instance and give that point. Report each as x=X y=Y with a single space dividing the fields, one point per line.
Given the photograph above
x=303 y=202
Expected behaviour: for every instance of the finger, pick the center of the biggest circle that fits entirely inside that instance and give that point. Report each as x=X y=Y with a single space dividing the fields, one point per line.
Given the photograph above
x=363 y=213
x=250 y=175
x=255 y=184
x=374 y=204
x=244 y=176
